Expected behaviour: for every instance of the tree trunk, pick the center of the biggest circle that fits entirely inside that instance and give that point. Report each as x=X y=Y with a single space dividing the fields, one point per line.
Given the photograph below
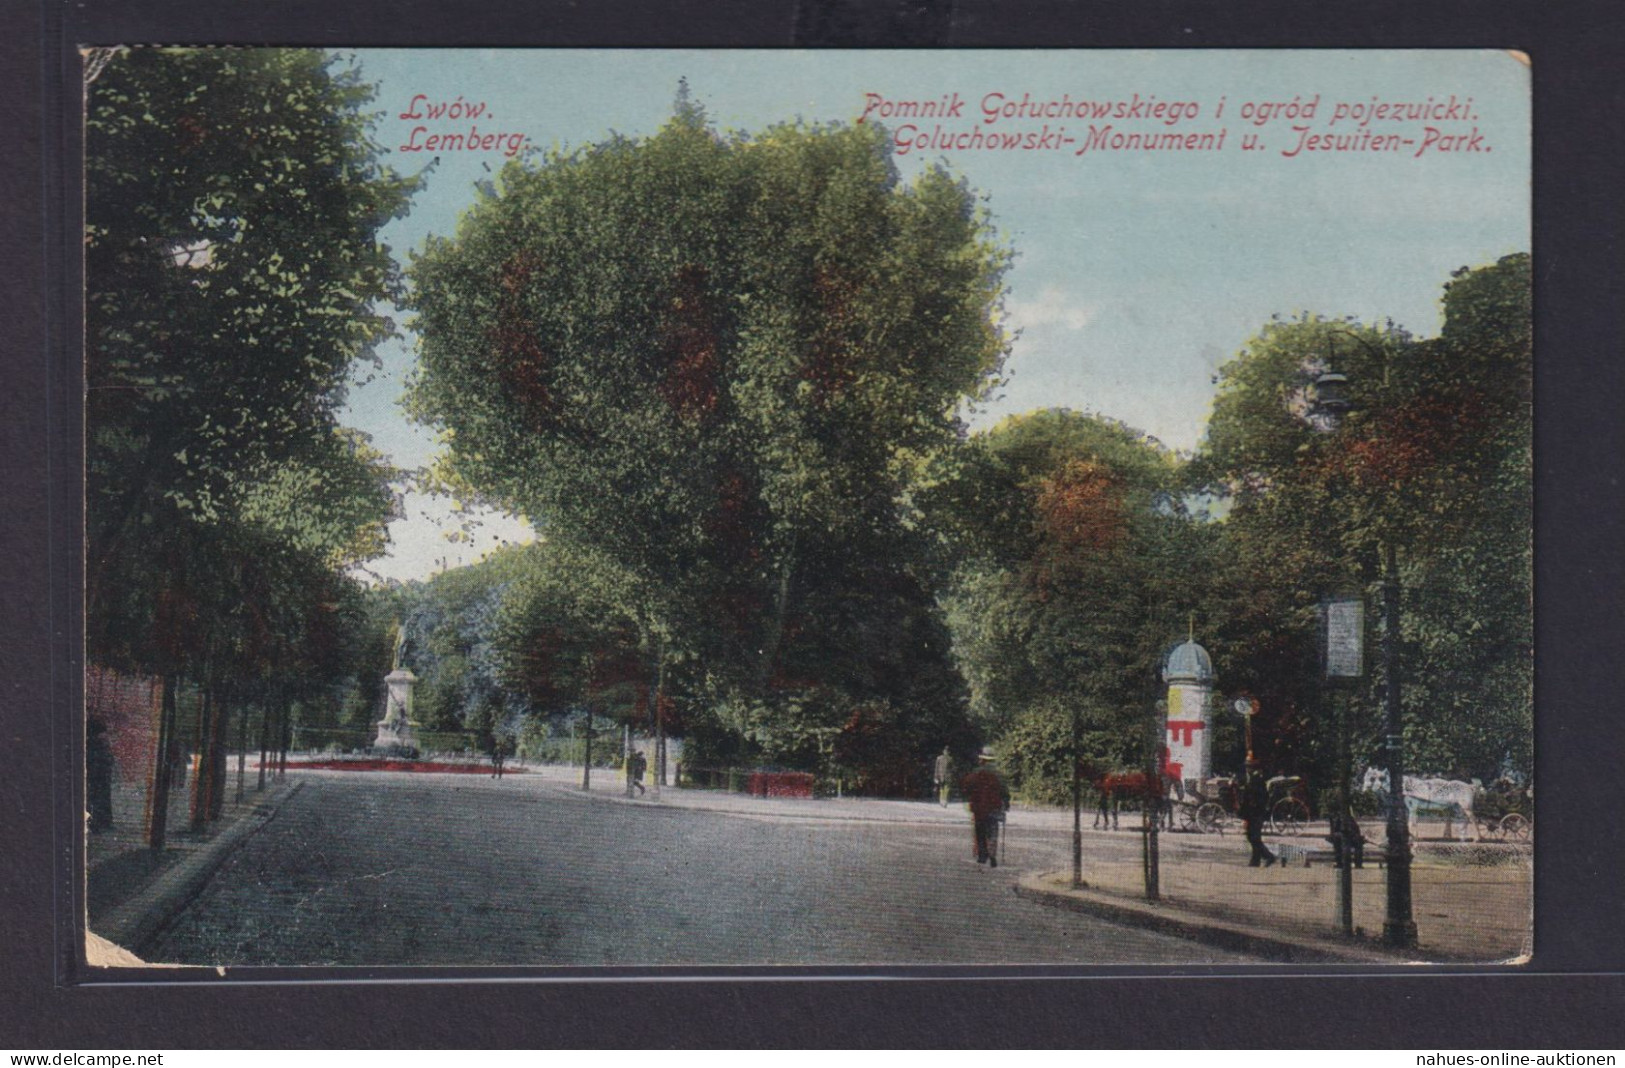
x=775 y=628
x=202 y=766
x=219 y=729
x=242 y=750
x=158 y=816
x=589 y=675
x=586 y=753
x=660 y=720
x=265 y=734
x=285 y=740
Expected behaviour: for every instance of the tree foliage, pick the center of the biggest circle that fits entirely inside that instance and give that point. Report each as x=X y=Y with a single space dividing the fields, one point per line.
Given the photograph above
x=1434 y=459
x=233 y=199
x=714 y=363
x=721 y=373
x=1077 y=566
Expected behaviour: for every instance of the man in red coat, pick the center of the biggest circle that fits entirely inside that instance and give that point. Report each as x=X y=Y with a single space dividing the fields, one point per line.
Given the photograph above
x=988 y=797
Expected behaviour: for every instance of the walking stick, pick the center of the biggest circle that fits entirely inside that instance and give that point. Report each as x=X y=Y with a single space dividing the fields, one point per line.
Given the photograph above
x=1004 y=827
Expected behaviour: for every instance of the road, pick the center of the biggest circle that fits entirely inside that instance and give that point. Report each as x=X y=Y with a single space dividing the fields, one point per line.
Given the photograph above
x=386 y=869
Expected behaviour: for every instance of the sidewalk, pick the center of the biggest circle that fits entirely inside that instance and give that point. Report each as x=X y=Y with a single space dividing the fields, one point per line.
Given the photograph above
x=132 y=891
x=1464 y=913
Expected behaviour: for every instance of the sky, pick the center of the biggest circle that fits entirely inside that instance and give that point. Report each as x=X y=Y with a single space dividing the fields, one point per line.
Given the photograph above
x=1368 y=179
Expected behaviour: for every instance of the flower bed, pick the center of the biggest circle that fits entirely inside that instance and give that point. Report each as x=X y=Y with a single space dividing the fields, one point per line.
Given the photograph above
x=438 y=766
x=780 y=784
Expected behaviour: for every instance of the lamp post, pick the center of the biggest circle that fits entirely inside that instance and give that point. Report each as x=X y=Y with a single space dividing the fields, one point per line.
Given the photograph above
x=1246 y=707
x=1342 y=659
x=1331 y=401
x=1399 y=928
x=1077 y=799
x=826 y=749
x=1152 y=805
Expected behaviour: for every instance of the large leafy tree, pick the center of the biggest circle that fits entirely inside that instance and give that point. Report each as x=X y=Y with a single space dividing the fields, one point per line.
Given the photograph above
x=1469 y=615
x=716 y=361
x=1433 y=461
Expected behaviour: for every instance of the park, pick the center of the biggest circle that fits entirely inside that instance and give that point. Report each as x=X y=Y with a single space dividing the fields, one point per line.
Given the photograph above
x=731 y=381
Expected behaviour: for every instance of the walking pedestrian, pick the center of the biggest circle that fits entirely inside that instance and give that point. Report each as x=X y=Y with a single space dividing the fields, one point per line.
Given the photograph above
x=942 y=776
x=638 y=764
x=1168 y=787
x=1104 y=812
x=1254 y=807
x=988 y=798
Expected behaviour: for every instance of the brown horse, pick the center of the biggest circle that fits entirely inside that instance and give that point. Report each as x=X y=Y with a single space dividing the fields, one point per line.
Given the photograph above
x=1112 y=788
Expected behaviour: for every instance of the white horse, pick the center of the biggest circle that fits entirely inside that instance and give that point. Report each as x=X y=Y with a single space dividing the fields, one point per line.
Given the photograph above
x=1449 y=794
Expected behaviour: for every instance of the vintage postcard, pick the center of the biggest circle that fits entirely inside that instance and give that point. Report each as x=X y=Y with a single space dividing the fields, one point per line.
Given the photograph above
x=593 y=508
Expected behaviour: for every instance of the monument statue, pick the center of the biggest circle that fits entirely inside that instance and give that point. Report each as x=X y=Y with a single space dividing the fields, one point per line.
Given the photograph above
x=395 y=734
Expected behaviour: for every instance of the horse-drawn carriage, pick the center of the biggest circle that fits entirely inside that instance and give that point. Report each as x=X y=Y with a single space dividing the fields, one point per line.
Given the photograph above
x=1503 y=810
x=1212 y=806
x=1506 y=811
x=1208 y=806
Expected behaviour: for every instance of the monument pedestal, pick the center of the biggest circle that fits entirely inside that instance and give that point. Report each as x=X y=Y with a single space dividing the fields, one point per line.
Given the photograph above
x=395 y=733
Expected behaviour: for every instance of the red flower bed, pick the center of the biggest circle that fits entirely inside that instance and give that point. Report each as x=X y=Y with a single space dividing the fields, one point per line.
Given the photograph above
x=780 y=784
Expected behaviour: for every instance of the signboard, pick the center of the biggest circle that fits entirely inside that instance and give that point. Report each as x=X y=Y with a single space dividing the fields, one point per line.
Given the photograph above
x=1345 y=638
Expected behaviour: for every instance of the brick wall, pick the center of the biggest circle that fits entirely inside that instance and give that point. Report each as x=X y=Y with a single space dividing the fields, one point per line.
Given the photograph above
x=129 y=706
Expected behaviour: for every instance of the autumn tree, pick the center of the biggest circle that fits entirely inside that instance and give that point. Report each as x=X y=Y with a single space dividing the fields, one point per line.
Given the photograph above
x=1077 y=566
x=1433 y=461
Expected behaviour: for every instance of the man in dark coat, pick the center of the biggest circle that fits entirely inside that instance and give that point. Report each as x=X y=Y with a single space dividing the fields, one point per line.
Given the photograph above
x=988 y=798
x=1254 y=807
x=639 y=764
x=1105 y=813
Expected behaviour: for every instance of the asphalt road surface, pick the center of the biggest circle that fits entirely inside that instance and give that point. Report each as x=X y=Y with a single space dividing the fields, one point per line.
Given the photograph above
x=395 y=869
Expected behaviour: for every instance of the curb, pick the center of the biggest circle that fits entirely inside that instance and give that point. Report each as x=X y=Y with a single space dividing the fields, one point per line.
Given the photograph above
x=1170 y=919
x=142 y=918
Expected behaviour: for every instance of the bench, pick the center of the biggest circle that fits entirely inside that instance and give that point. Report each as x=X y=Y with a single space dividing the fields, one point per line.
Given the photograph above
x=1312 y=855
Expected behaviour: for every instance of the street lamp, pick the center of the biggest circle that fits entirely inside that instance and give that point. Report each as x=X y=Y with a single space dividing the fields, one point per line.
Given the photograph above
x=1077 y=798
x=1246 y=708
x=1330 y=400
x=826 y=749
x=1152 y=805
x=1342 y=661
